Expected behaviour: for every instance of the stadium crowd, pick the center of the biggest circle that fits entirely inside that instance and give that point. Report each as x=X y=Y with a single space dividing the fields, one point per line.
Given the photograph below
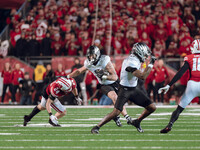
x=66 y=27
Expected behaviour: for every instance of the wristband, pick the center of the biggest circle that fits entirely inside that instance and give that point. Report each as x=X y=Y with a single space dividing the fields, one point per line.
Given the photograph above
x=104 y=77
x=150 y=66
x=50 y=114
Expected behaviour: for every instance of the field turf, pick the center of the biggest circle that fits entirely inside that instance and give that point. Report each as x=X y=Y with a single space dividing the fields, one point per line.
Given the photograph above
x=75 y=133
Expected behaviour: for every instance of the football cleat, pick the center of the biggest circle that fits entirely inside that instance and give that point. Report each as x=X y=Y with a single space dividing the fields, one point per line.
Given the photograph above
x=117 y=121
x=95 y=130
x=136 y=123
x=166 y=129
x=53 y=124
x=129 y=120
x=26 y=120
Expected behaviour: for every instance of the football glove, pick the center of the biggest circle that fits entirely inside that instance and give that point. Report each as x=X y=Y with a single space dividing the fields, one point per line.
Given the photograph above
x=99 y=73
x=164 y=89
x=79 y=100
x=153 y=59
x=54 y=119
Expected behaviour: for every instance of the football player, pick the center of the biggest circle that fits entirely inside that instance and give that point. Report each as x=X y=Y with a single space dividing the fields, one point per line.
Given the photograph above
x=130 y=73
x=191 y=63
x=102 y=68
x=58 y=88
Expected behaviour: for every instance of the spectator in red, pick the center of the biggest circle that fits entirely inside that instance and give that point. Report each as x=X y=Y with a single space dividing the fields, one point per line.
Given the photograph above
x=145 y=38
x=189 y=19
x=15 y=35
x=184 y=48
x=56 y=45
x=73 y=45
x=59 y=72
x=6 y=74
x=158 y=49
x=85 y=43
x=175 y=21
x=16 y=75
x=161 y=75
x=161 y=32
x=118 y=43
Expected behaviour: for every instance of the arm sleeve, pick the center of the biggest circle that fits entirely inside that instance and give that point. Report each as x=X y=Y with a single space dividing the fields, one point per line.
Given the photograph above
x=130 y=69
x=179 y=74
x=106 y=61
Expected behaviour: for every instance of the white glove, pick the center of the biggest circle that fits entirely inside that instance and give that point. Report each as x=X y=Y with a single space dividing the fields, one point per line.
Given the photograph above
x=164 y=89
x=54 y=119
x=79 y=100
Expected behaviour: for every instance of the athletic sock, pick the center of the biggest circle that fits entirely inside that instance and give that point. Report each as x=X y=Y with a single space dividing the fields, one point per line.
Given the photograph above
x=175 y=116
x=33 y=113
x=128 y=118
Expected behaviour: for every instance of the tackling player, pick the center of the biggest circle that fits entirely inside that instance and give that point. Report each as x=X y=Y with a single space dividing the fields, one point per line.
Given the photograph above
x=191 y=62
x=102 y=68
x=130 y=73
x=58 y=88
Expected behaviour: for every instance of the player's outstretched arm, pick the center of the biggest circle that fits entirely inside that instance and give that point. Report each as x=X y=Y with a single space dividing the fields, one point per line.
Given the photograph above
x=48 y=105
x=112 y=73
x=177 y=76
x=77 y=72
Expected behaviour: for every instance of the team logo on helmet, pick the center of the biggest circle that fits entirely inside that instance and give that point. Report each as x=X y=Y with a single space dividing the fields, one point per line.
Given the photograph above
x=93 y=55
x=141 y=50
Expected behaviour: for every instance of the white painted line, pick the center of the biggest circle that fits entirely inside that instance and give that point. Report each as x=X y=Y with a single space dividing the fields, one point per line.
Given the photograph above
x=9 y=133
x=63 y=125
x=2 y=115
x=101 y=140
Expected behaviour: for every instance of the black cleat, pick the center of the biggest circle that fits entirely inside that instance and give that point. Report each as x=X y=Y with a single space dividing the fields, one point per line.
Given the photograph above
x=26 y=120
x=95 y=130
x=53 y=124
x=166 y=129
x=129 y=120
x=117 y=121
x=136 y=123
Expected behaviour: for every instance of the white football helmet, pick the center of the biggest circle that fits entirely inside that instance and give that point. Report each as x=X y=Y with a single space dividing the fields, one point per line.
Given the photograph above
x=64 y=84
x=141 y=50
x=93 y=55
x=195 y=46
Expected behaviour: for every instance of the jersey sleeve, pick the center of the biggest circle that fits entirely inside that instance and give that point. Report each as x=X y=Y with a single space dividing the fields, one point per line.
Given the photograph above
x=53 y=92
x=106 y=61
x=133 y=63
x=86 y=64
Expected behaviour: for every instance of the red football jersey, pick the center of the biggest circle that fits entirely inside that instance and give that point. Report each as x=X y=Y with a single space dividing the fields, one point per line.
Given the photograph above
x=194 y=62
x=54 y=88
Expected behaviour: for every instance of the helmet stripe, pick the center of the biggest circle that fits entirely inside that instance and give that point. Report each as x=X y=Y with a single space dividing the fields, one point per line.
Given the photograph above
x=65 y=82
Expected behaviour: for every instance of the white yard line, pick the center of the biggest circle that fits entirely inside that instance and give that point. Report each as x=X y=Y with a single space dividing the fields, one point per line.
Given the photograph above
x=85 y=147
x=99 y=140
x=10 y=133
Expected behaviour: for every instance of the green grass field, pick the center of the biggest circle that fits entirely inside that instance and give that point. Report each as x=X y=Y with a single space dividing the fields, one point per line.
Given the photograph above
x=75 y=133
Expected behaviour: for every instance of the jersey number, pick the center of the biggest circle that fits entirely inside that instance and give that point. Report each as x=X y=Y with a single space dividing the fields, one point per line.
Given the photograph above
x=196 y=64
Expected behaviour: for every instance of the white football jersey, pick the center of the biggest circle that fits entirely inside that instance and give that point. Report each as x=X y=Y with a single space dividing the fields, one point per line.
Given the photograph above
x=127 y=78
x=104 y=60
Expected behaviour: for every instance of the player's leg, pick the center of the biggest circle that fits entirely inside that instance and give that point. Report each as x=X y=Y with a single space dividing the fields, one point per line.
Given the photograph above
x=61 y=111
x=121 y=100
x=140 y=99
x=57 y=106
x=113 y=96
x=35 y=111
x=191 y=92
